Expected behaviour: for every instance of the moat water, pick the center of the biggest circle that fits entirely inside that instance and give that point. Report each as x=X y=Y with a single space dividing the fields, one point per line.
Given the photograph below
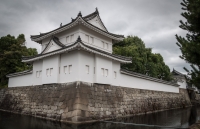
x=177 y=118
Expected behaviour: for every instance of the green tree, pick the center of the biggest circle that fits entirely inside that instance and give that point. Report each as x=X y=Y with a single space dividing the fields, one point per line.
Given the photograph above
x=190 y=45
x=143 y=60
x=11 y=51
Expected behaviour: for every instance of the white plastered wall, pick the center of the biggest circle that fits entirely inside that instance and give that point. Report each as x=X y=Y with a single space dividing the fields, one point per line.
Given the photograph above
x=67 y=59
x=115 y=68
x=68 y=33
x=82 y=31
x=103 y=63
x=98 y=38
x=86 y=66
x=139 y=83
x=52 y=47
x=18 y=81
x=45 y=42
x=96 y=22
x=37 y=67
x=182 y=84
x=49 y=63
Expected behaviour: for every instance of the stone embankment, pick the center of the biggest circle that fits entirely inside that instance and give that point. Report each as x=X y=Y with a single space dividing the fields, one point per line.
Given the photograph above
x=80 y=102
x=195 y=126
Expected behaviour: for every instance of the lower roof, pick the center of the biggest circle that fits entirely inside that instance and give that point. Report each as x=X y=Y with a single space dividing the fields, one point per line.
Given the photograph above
x=127 y=72
x=78 y=45
x=20 y=73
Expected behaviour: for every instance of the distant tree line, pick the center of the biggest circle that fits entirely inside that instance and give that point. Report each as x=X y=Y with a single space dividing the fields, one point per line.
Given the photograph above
x=11 y=51
x=143 y=60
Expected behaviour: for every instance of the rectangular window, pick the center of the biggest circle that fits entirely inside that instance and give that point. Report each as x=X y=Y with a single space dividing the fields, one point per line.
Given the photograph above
x=102 y=44
x=40 y=73
x=87 y=69
x=71 y=38
x=106 y=45
x=51 y=71
x=87 y=38
x=115 y=74
x=106 y=72
x=67 y=39
x=65 y=69
x=102 y=71
x=70 y=69
x=36 y=73
x=91 y=40
x=47 y=72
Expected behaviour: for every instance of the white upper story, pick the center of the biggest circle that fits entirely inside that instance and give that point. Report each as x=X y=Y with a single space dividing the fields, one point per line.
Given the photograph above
x=82 y=51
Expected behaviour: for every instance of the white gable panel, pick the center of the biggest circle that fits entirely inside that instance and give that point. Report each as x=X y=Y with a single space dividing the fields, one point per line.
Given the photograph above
x=52 y=47
x=97 y=22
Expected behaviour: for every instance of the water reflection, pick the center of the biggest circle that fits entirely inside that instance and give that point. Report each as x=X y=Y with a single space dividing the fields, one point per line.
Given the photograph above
x=177 y=117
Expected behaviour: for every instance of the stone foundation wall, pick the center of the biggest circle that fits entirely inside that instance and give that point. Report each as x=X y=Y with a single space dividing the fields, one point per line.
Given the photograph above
x=80 y=102
x=197 y=97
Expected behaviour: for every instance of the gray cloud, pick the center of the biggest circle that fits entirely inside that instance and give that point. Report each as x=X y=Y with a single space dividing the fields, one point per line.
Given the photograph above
x=154 y=21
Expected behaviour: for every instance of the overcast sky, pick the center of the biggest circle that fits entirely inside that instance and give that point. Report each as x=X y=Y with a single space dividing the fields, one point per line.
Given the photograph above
x=155 y=21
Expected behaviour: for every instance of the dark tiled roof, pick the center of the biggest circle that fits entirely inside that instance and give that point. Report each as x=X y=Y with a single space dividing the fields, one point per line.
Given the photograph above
x=87 y=46
x=93 y=15
x=124 y=71
x=56 y=40
x=19 y=73
x=42 y=34
x=86 y=18
x=177 y=73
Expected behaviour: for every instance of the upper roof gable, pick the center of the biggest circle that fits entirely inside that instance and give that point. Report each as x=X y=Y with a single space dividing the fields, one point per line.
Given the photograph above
x=53 y=45
x=95 y=19
x=84 y=21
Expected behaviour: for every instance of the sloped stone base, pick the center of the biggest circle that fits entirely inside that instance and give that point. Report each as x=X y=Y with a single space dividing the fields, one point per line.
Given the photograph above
x=80 y=102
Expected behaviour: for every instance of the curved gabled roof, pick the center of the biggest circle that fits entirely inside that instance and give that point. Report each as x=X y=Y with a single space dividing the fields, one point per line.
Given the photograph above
x=56 y=40
x=79 y=20
x=93 y=15
x=79 y=45
x=19 y=73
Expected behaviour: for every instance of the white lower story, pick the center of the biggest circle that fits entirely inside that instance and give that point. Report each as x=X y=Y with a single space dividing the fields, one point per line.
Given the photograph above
x=86 y=67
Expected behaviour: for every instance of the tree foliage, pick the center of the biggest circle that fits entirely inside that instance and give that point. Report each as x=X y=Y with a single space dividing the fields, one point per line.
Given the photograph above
x=11 y=51
x=190 y=45
x=143 y=60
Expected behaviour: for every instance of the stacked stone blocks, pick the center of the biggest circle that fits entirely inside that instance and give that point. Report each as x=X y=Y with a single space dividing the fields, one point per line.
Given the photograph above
x=81 y=102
